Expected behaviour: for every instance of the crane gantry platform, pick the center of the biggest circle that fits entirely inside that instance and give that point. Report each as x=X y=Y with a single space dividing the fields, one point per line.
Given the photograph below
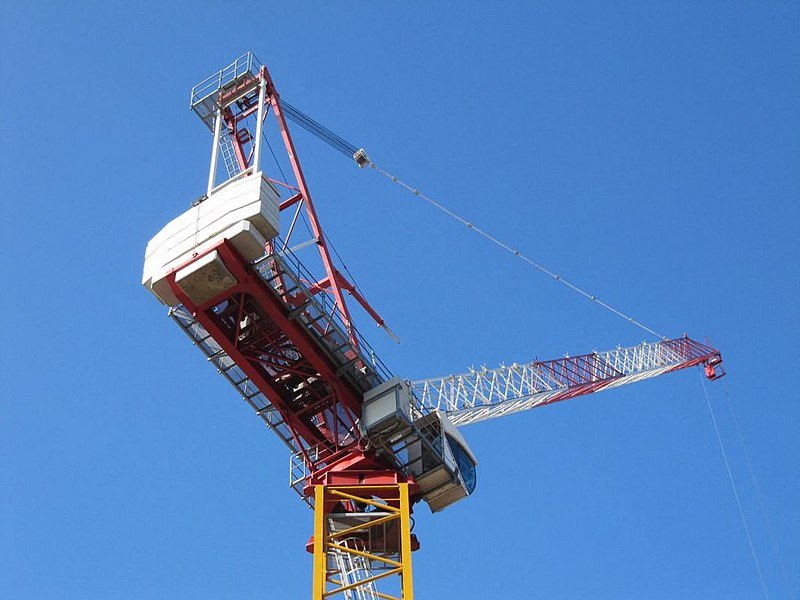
x=365 y=445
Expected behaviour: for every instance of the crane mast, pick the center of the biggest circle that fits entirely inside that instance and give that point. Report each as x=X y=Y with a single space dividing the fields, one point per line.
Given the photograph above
x=365 y=445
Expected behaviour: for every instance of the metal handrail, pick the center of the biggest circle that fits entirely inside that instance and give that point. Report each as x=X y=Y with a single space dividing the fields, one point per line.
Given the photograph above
x=246 y=63
x=291 y=264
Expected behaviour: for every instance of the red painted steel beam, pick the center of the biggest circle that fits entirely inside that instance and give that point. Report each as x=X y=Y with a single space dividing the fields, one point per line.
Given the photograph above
x=581 y=381
x=274 y=99
x=249 y=283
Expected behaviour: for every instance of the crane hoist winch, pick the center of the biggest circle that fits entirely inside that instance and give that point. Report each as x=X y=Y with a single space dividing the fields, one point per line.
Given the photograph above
x=268 y=311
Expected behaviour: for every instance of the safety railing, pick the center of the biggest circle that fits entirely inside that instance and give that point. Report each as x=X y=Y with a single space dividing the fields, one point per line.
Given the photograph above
x=246 y=63
x=226 y=367
x=289 y=278
x=203 y=99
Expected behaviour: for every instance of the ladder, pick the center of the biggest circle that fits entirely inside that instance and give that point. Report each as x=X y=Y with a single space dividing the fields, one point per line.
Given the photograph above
x=228 y=155
x=352 y=569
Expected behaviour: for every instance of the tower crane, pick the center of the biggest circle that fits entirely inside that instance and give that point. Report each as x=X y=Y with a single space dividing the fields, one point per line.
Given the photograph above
x=269 y=313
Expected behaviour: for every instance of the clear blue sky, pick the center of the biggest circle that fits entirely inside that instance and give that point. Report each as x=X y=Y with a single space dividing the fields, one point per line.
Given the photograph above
x=649 y=152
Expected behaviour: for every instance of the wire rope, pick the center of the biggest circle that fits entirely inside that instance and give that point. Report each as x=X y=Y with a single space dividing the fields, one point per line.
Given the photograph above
x=733 y=487
x=514 y=251
x=319 y=130
x=341 y=260
x=334 y=141
x=275 y=158
x=759 y=496
x=348 y=149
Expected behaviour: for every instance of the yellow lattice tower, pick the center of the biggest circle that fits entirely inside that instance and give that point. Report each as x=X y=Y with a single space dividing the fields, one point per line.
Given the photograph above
x=362 y=535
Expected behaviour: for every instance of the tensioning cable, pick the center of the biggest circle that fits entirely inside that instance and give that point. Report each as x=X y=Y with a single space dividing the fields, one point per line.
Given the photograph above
x=733 y=488
x=362 y=160
x=514 y=251
x=759 y=496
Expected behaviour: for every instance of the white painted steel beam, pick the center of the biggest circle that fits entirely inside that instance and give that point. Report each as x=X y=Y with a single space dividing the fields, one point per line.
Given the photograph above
x=489 y=393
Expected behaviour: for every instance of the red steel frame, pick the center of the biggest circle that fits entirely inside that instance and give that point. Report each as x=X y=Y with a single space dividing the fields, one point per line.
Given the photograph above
x=277 y=352
x=334 y=282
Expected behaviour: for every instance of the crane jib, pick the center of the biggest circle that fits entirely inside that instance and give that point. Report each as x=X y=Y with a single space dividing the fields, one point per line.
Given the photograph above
x=489 y=393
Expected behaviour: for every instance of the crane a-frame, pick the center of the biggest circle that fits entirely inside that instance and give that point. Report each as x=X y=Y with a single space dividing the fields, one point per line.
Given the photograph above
x=365 y=445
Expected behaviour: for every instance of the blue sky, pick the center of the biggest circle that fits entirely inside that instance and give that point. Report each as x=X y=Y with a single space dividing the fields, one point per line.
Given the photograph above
x=648 y=152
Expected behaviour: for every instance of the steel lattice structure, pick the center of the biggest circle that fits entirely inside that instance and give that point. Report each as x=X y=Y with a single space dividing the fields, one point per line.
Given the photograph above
x=490 y=393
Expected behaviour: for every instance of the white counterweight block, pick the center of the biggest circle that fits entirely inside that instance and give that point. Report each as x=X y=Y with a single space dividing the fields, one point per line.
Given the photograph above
x=243 y=211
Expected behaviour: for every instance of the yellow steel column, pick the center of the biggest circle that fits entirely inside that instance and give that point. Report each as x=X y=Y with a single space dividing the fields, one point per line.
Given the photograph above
x=405 y=542
x=320 y=558
x=392 y=504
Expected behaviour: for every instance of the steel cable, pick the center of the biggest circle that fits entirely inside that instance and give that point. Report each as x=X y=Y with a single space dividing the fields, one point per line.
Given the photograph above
x=515 y=252
x=319 y=130
x=759 y=496
x=352 y=151
x=733 y=487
